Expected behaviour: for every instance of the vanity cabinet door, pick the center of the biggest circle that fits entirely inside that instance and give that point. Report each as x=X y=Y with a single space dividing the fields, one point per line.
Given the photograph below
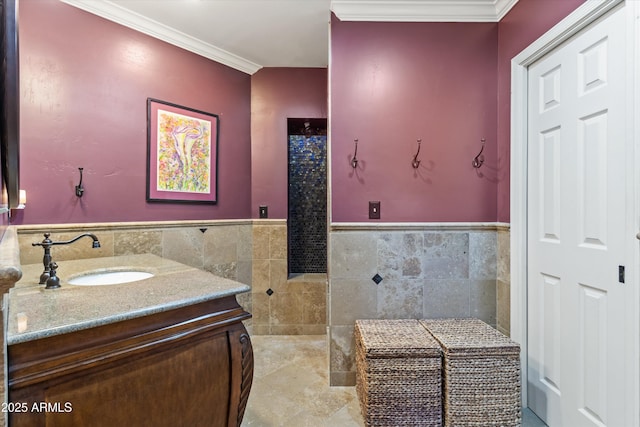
x=193 y=372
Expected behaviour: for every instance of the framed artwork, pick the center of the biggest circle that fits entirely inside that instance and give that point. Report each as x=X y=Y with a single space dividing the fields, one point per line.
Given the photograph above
x=10 y=112
x=182 y=154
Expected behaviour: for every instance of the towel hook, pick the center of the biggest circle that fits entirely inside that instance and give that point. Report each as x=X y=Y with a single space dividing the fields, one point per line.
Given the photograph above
x=354 y=160
x=479 y=159
x=416 y=163
x=79 y=189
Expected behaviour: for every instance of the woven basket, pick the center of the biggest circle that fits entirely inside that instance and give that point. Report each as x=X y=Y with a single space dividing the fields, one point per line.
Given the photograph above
x=481 y=373
x=398 y=374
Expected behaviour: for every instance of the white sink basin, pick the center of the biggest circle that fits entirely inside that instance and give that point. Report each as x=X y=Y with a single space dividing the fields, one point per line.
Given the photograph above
x=109 y=278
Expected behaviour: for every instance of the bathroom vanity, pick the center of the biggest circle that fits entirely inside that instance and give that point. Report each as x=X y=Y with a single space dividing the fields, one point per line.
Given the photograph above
x=168 y=350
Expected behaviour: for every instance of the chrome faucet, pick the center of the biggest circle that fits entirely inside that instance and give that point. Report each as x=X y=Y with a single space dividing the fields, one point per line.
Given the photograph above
x=47 y=261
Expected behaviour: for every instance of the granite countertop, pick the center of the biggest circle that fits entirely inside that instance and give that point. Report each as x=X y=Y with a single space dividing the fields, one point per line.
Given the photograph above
x=34 y=312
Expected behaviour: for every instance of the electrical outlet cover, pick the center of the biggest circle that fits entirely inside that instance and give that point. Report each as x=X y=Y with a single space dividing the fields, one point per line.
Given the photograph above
x=374 y=210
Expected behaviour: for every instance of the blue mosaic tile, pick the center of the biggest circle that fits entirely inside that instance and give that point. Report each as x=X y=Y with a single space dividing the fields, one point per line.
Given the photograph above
x=307 y=221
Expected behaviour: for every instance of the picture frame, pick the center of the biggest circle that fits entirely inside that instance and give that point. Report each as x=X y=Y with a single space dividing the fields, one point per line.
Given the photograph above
x=10 y=112
x=182 y=154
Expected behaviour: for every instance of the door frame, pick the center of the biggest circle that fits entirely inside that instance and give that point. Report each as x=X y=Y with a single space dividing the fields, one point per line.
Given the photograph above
x=579 y=19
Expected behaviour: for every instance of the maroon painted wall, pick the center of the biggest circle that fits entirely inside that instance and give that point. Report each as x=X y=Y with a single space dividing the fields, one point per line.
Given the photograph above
x=85 y=82
x=392 y=83
x=525 y=22
x=278 y=94
x=84 y=86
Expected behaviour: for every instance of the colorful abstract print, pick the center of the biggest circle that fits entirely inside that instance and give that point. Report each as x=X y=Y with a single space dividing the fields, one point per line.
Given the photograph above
x=184 y=153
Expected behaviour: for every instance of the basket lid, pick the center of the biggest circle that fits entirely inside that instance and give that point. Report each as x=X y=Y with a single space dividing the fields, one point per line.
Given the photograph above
x=469 y=337
x=382 y=338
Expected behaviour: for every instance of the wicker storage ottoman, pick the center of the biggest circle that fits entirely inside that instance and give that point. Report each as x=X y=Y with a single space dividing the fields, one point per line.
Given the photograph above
x=398 y=373
x=481 y=373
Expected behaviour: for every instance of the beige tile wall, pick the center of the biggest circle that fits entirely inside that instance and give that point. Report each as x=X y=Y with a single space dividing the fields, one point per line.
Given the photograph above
x=283 y=306
x=503 y=306
x=427 y=272
x=251 y=252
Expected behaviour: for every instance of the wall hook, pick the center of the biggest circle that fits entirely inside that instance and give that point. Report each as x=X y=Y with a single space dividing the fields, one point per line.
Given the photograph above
x=479 y=159
x=79 y=189
x=416 y=163
x=354 y=160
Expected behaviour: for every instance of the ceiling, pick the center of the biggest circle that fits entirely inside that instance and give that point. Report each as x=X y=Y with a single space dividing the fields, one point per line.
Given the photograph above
x=250 y=34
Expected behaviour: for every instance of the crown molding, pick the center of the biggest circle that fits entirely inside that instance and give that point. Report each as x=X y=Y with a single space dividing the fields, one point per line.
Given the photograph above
x=345 y=10
x=117 y=14
x=422 y=10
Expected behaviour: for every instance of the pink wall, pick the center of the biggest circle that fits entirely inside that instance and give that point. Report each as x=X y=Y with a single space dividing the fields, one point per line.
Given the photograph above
x=392 y=83
x=85 y=82
x=526 y=22
x=278 y=94
x=84 y=86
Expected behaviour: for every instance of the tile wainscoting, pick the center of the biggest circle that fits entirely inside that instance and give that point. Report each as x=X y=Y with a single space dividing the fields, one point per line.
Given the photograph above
x=503 y=281
x=249 y=251
x=426 y=271
x=283 y=305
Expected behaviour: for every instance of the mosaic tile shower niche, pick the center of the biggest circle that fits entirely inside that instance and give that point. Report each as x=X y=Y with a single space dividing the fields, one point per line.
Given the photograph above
x=307 y=216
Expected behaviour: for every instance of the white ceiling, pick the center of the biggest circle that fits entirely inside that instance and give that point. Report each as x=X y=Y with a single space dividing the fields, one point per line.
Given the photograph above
x=250 y=34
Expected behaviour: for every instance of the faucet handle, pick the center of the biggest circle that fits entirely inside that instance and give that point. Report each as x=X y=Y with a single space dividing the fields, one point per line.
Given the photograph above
x=46 y=240
x=53 y=282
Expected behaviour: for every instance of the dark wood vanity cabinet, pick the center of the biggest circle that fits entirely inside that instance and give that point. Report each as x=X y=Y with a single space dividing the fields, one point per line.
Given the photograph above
x=189 y=366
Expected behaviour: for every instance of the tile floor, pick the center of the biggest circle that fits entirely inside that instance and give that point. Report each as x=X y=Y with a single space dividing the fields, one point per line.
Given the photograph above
x=291 y=387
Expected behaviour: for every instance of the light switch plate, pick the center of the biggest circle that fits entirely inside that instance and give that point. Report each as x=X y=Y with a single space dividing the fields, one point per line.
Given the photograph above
x=374 y=210
x=263 y=211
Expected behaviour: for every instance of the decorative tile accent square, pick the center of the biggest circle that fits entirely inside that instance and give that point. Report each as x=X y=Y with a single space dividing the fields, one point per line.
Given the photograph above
x=269 y=291
x=377 y=278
